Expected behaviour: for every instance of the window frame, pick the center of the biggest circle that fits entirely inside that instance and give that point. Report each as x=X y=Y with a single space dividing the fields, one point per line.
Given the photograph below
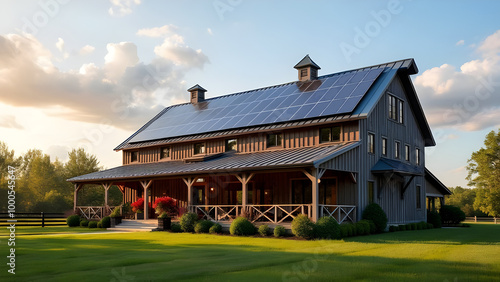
x=401 y=111
x=162 y=156
x=203 y=148
x=226 y=143
x=418 y=196
x=279 y=142
x=393 y=108
x=384 y=146
x=132 y=158
x=330 y=134
x=417 y=156
x=371 y=143
x=407 y=153
x=397 y=150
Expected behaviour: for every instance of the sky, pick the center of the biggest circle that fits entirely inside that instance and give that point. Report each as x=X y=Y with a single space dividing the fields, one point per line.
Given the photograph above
x=90 y=73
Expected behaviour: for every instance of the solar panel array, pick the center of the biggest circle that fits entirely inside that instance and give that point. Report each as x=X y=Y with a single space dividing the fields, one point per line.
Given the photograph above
x=333 y=95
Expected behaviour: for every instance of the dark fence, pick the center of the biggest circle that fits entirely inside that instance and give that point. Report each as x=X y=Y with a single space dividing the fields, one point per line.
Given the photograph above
x=32 y=219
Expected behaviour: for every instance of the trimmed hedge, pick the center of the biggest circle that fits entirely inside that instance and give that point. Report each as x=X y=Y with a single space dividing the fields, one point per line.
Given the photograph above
x=73 y=220
x=393 y=228
x=434 y=218
x=264 y=230
x=188 y=220
x=106 y=222
x=402 y=227
x=92 y=224
x=241 y=226
x=451 y=214
x=175 y=228
x=279 y=231
x=203 y=226
x=215 y=229
x=327 y=228
x=84 y=223
x=362 y=227
x=303 y=227
x=344 y=230
x=376 y=214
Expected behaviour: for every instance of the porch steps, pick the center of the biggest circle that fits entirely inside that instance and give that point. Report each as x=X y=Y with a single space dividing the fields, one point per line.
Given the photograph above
x=136 y=225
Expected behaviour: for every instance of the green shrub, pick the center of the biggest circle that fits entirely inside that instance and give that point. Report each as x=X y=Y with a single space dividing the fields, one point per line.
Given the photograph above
x=73 y=220
x=421 y=225
x=175 y=228
x=327 y=228
x=203 y=226
x=99 y=224
x=376 y=214
x=451 y=214
x=84 y=223
x=414 y=226
x=352 y=230
x=430 y=226
x=393 y=228
x=362 y=227
x=279 y=231
x=264 y=230
x=116 y=212
x=92 y=224
x=373 y=227
x=434 y=218
x=215 y=229
x=402 y=227
x=303 y=227
x=188 y=220
x=409 y=227
x=344 y=230
x=106 y=222
x=241 y=226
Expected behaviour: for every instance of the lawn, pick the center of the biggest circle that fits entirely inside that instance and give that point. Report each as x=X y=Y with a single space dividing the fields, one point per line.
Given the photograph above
x=448 y=254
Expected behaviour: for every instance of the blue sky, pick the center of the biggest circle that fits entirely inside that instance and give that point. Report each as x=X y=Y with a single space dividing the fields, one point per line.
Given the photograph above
x=89 y=73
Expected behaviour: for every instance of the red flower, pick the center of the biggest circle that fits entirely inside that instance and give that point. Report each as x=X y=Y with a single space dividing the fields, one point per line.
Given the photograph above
x=138 y=205
x=165 y=204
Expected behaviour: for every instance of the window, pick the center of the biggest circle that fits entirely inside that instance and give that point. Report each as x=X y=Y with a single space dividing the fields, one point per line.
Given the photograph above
x=371 y=143
x=199 y=148
x=330 y=134
x=384 y=146
x=407 y=153
x=371 y=191
x=303 y=72
x=231 y=145
x=165 y=153
x=417 y=156
x=273 y=140
x=419 y=198
x=193 y=95
x=397 y=150
x=134 y=156
x=392 y=107
x=401 y=111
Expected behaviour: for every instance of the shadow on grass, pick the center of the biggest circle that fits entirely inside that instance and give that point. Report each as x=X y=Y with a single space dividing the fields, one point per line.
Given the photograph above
x=108 y=259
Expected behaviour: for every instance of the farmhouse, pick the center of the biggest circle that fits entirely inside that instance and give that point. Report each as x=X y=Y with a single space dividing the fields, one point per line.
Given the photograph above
x=322 y=145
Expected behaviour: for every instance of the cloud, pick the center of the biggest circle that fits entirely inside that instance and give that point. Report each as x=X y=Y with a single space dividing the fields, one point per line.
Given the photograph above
x=60 y=44
x=209 y=30
x=87 y=49
x=122 y=7
x=10 y=121
x=460 y=42
x=467 y=98
x=124 y=92
x=174 y=49
x=157 y=31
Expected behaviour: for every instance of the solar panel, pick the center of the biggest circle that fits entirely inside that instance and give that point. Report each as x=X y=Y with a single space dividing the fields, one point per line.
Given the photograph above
x=332 y=95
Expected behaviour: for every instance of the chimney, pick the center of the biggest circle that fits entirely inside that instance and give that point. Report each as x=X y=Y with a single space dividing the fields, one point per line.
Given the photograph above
x=308 y=69
x=197 y=94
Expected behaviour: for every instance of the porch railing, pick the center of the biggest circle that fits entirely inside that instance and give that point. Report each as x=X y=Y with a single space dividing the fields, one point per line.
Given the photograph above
x=95 y=212
x=340 y=213
x=277 y=213
x=218 y=212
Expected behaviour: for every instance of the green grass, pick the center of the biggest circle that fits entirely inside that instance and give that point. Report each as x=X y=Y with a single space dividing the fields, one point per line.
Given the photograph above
x=36 y=230
x=449 y=254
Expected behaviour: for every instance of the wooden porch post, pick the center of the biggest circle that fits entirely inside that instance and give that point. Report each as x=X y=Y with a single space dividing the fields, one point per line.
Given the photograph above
x=77 y=188
x=145 y=185
x=189 y=183
x=244 y=179
x=315 y=177
x=122 y=189
x=106 y=189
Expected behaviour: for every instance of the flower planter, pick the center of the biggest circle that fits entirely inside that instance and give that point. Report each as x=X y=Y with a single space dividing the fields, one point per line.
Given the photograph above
x=115 y=221
x=164 y=223
x=139 y=216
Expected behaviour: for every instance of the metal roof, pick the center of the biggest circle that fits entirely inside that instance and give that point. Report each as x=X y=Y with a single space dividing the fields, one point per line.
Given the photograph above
x=196 y=87
x=306 y=61
x=389 y=165
x=229 y=162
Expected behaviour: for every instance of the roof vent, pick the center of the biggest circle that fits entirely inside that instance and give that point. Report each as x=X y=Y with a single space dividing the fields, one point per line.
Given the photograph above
x=308 y=69
x=197 y=94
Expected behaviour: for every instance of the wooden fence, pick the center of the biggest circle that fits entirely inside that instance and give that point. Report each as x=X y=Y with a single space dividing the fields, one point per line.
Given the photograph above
x=32 y=219
x=483 y=219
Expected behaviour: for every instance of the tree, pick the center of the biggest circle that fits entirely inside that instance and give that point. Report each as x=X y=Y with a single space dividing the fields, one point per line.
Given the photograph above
x=484 y=173
x=464 y=199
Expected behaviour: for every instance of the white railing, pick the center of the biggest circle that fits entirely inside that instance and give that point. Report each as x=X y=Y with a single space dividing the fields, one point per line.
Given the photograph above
x=218 y=212
x=95 y=212
x=277 y=213
x=340 y=213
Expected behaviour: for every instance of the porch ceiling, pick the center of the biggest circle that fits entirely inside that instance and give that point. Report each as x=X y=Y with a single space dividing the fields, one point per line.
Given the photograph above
x=229 y=162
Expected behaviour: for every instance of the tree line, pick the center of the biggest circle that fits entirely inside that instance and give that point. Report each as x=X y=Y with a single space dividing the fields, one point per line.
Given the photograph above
x=41 y=183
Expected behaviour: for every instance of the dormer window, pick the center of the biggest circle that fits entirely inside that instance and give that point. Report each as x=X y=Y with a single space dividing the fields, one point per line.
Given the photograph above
x=231 y=145
x=330 y=134
x=199 y=148
x=165 y=153
x=274 y=140
x=134 y=156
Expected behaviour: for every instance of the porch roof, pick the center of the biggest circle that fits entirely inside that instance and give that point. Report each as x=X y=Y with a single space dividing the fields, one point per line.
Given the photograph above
x=230 y=162
x=388 y=165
